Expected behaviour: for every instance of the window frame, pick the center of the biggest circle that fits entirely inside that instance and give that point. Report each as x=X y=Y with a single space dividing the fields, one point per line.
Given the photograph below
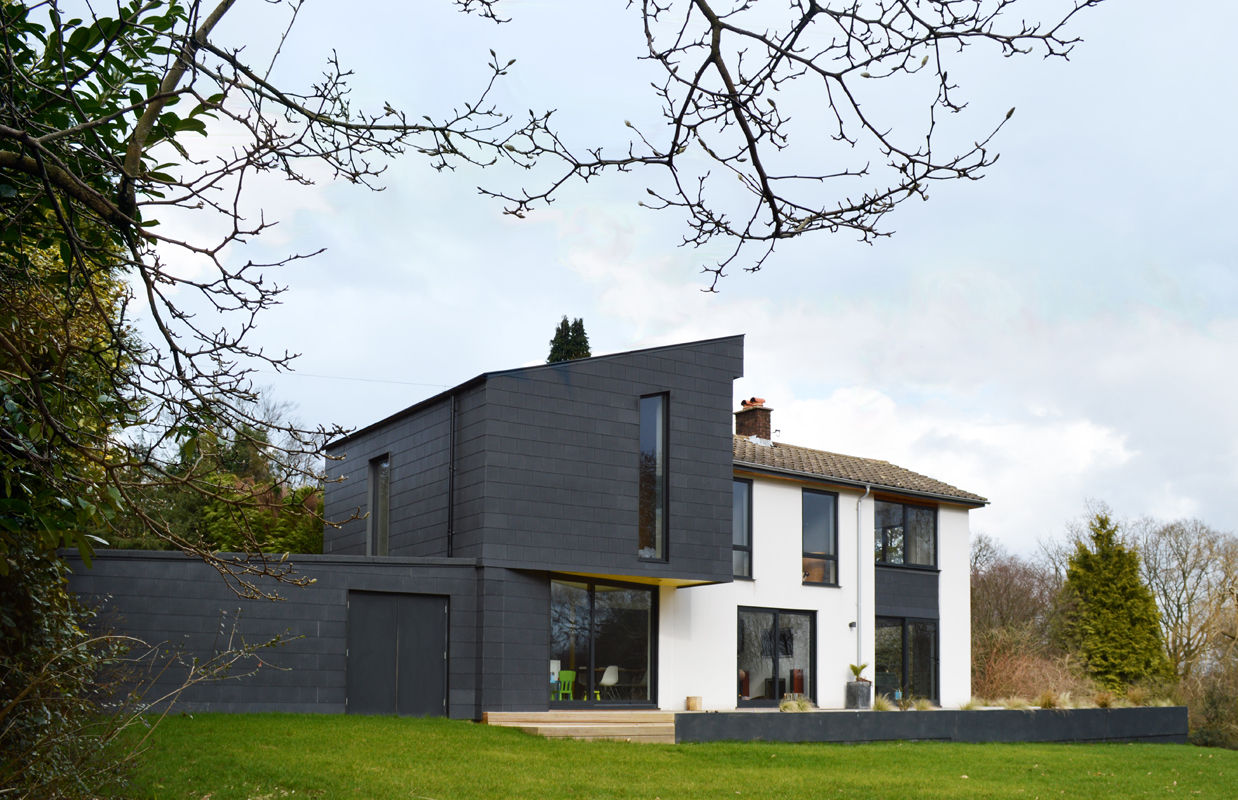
x=660 y=548
x=882 y=559
x=826 y=558
x=745 y=548
x=775 y=619
x=378 y=521
x=905 y=626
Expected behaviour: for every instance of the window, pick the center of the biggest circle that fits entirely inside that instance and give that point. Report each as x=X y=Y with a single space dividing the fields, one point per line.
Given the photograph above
x=905 y=535
x=741 y=528
x=820 y=516
x=601 y=636
x=652 y=477
x=906 y=658
x=776 y=651
x=380 y=506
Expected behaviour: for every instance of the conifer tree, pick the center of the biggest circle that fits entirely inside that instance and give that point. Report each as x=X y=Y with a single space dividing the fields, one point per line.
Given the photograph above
x=1112 y=621
x=570 y=341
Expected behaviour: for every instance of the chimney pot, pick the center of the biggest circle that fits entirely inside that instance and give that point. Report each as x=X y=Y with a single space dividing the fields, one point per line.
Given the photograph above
x=753 y=418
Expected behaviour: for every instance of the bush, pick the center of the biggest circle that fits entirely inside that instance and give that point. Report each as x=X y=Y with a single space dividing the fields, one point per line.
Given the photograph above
x=1011 y=662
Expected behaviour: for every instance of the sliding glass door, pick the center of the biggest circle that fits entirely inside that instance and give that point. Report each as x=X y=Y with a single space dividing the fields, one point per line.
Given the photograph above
x=906 y=658
x=601 y=643
x=776 y=655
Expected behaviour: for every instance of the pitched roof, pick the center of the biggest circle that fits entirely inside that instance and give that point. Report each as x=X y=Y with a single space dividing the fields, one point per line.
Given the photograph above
x=804 y=461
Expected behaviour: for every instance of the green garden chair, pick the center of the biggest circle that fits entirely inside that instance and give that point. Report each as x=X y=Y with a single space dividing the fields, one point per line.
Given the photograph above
x=567 y=680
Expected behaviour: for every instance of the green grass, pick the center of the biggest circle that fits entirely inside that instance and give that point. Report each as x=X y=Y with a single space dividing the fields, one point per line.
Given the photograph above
x=269 y=756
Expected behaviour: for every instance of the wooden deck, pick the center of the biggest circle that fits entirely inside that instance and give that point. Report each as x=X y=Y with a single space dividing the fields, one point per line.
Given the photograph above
x=622 y=726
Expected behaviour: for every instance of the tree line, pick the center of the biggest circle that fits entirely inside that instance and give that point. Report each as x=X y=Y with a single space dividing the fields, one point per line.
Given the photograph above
x=1135 y=611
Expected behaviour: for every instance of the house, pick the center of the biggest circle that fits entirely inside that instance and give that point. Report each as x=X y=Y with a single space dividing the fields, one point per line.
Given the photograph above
x=627 y=546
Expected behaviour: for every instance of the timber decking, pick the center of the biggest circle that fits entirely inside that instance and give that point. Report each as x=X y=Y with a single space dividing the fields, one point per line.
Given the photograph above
x=622 y=726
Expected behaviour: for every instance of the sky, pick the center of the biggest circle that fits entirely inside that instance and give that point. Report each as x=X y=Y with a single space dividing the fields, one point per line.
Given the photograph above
x=1061 y=332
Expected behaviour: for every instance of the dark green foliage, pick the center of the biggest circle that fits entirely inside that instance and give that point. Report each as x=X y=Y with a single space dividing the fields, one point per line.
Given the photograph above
x=570 y=342
x=1111 y=620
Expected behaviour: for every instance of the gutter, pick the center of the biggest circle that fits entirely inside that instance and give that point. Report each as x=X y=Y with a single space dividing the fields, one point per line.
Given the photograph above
x=974 y=502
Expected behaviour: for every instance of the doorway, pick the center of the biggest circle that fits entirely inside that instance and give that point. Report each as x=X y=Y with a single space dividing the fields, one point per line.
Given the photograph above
x=397 y=654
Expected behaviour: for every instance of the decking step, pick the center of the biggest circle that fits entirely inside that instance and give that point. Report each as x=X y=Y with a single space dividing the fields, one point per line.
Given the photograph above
x=624 y=726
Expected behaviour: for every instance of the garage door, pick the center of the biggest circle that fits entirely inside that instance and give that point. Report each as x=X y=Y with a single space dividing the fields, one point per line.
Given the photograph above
x=397 y=654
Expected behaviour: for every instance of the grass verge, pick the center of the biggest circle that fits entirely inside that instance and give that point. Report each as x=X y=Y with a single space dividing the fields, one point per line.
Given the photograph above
x=270 y=756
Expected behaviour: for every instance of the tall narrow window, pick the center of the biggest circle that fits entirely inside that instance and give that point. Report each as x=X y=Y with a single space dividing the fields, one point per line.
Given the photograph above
x=653 y=477
x=380 y=505
x=906 y=657
x=741 y=528
x=905 y=535
x=820 y=518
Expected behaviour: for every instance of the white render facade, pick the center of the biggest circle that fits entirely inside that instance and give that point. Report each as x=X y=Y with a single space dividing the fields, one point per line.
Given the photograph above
x=909 y=623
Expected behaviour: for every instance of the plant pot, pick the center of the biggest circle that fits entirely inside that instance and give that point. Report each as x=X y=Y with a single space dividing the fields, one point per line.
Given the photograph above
x=859 y=694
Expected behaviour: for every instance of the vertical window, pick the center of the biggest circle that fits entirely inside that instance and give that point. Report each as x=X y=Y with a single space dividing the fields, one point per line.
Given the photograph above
x=380 y=505
x=820 y=520
x=905 y=534
x=653 y=477
x=741 y=528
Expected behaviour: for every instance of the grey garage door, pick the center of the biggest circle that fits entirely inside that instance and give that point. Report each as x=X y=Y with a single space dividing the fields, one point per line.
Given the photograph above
x=397 y=654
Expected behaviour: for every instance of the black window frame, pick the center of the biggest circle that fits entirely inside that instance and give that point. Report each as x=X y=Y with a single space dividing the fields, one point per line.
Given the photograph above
x=881 y=555
x=777 y=650
x=746 y=547
x=660 y=524
x=830 y=560
x=904 y=683
x=378 y=521
x=591 y=585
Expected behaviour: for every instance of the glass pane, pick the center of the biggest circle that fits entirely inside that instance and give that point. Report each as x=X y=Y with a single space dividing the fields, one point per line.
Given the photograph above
x=755 y=658
x=741 y=564
x=623 y=621
x=819 y=570
x=889 y=532
x=922 y=657
x=818 y=515
x=380 y=512
x=795 y=653
x=921 y=528
x=741 y=499
x=652 y=488
x=888 y=661
x=569 y=640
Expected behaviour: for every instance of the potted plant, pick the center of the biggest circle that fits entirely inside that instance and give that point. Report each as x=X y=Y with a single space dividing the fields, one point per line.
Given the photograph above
x=859 y=689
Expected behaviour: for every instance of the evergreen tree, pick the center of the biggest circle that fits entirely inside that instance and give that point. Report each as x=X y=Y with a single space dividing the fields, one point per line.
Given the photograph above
x=570 y=341
x=578 y=346
x=1111 y=618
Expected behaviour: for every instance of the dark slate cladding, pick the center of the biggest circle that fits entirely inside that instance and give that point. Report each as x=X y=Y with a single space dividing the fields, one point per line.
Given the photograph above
x=546 y=461
x=180 y=603
x=906 y=592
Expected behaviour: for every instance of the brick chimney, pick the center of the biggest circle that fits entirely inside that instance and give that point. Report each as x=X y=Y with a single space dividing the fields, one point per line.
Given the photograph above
x=753 y=418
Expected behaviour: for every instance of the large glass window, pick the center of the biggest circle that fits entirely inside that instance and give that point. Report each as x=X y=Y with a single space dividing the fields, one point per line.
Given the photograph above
x=820 y=521
x=906 y=658
x=378 y=533
x=601 y=643
x=775 y=655
x=653 y=477
x=741 y=528
x=905 y=534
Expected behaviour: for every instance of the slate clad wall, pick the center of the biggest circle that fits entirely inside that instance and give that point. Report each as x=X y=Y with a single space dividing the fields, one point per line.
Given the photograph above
x=170 y=598
x=562 y=446
x=902 y=592
x=546 y=464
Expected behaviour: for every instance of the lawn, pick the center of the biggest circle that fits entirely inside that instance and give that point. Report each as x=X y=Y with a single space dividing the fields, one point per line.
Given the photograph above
x=269 y=756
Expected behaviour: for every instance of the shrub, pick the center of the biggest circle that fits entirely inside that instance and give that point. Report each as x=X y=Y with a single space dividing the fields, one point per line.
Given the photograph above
x=1104 y=699
x=882 y=702
x=1049 y=699
x=923 y=704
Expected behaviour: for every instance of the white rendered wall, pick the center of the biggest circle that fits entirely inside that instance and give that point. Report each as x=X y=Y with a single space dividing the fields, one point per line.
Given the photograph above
x=954 y=598
x=698 y=624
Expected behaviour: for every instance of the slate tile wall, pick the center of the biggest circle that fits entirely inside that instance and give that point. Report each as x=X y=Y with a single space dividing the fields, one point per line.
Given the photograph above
x=906 y=592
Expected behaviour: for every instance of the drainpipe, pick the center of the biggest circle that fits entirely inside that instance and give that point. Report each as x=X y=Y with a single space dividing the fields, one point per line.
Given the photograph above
x=451 y=476
x=859 y=570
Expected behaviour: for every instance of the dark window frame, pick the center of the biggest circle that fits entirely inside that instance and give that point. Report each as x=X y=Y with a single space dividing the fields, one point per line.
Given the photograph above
x=776 y=652
x=660 y=524
x=654 y=615
x=378 y=521
x=747 y=547
x=906 y=623
x=829 y=560
x=882 y=556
